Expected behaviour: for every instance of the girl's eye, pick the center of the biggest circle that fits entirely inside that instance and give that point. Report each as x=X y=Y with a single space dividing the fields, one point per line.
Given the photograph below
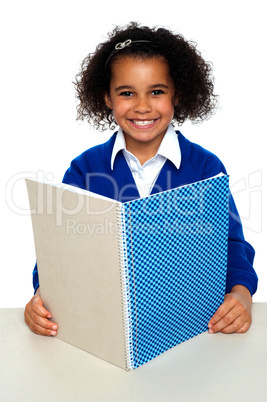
x=126 y=93
x=157 y=92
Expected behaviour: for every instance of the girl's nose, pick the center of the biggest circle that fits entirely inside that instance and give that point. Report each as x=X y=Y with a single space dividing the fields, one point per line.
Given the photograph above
x=142 y=105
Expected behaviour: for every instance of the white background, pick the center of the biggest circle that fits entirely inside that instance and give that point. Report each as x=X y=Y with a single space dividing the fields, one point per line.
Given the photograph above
x=43 y=44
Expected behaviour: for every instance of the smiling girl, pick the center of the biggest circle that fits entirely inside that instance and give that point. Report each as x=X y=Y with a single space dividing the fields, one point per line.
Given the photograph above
x=143 y=80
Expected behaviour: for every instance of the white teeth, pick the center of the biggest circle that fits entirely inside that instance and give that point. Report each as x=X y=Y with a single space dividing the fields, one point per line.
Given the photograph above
x=143 y=123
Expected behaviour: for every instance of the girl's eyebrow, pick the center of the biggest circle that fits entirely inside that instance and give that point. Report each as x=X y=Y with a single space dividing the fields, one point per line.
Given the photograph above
x=159 y=86
x=124 y=87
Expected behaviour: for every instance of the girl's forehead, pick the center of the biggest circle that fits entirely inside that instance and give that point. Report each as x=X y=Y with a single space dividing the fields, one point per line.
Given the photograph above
x=138 y=59
x=127 y=64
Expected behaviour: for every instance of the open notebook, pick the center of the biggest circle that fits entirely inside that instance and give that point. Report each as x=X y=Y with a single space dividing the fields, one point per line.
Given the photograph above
x=128 y=281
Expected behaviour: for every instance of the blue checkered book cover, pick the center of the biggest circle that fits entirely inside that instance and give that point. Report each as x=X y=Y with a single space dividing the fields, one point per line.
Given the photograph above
x=174 y=262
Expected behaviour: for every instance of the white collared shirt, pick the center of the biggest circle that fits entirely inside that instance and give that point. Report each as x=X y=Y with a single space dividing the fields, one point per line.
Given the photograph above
x=146 y=175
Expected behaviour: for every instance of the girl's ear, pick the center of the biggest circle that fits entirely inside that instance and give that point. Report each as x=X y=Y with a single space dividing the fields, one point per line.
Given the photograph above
x=108 y=101
x=175 y=101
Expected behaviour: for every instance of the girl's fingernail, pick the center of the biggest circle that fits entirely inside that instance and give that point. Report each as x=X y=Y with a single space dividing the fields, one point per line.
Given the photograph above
x=53 y=333
x=54 y=327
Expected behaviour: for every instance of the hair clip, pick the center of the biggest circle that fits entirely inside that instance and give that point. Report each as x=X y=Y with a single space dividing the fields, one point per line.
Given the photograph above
x=122 y=45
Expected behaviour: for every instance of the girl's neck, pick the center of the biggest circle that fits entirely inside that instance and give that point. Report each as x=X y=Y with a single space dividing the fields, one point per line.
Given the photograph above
x=143 y=151
x=142 y=156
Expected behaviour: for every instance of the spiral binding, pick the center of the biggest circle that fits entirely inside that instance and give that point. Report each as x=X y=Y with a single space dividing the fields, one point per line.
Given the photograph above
x=125 y=289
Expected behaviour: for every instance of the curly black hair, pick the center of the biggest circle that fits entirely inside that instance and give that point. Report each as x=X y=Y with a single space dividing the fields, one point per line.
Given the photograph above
x=191 y=74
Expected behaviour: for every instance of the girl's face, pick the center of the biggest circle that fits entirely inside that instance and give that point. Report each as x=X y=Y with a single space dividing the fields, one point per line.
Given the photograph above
x=141 y=97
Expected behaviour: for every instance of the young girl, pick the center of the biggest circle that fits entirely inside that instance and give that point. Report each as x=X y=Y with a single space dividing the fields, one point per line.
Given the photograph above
x=142 y=79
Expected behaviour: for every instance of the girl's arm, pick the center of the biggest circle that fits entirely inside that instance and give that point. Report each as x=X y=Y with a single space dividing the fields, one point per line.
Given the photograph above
x=234 y=315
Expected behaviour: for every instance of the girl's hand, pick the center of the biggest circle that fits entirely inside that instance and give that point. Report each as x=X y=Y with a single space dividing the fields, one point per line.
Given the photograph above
x=234 y=314
x=37 y=317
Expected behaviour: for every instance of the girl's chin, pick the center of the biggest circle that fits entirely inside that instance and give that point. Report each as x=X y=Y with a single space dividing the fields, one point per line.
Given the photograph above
x=143 y=137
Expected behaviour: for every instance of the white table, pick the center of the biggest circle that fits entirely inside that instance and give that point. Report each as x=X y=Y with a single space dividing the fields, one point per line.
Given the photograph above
x=208 y=367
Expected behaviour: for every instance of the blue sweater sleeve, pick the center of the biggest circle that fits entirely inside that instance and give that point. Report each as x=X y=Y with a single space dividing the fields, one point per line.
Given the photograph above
x=35 y=278
x=241 y=254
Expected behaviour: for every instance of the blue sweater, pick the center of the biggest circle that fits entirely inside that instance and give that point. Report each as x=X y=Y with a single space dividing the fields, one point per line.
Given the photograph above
x=92 y=171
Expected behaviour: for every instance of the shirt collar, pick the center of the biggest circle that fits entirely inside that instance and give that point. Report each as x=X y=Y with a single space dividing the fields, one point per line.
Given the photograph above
x=169 y=147
x=119 y=144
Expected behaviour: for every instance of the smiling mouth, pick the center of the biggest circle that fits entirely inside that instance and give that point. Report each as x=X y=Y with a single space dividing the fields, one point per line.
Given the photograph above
x=142 y=123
